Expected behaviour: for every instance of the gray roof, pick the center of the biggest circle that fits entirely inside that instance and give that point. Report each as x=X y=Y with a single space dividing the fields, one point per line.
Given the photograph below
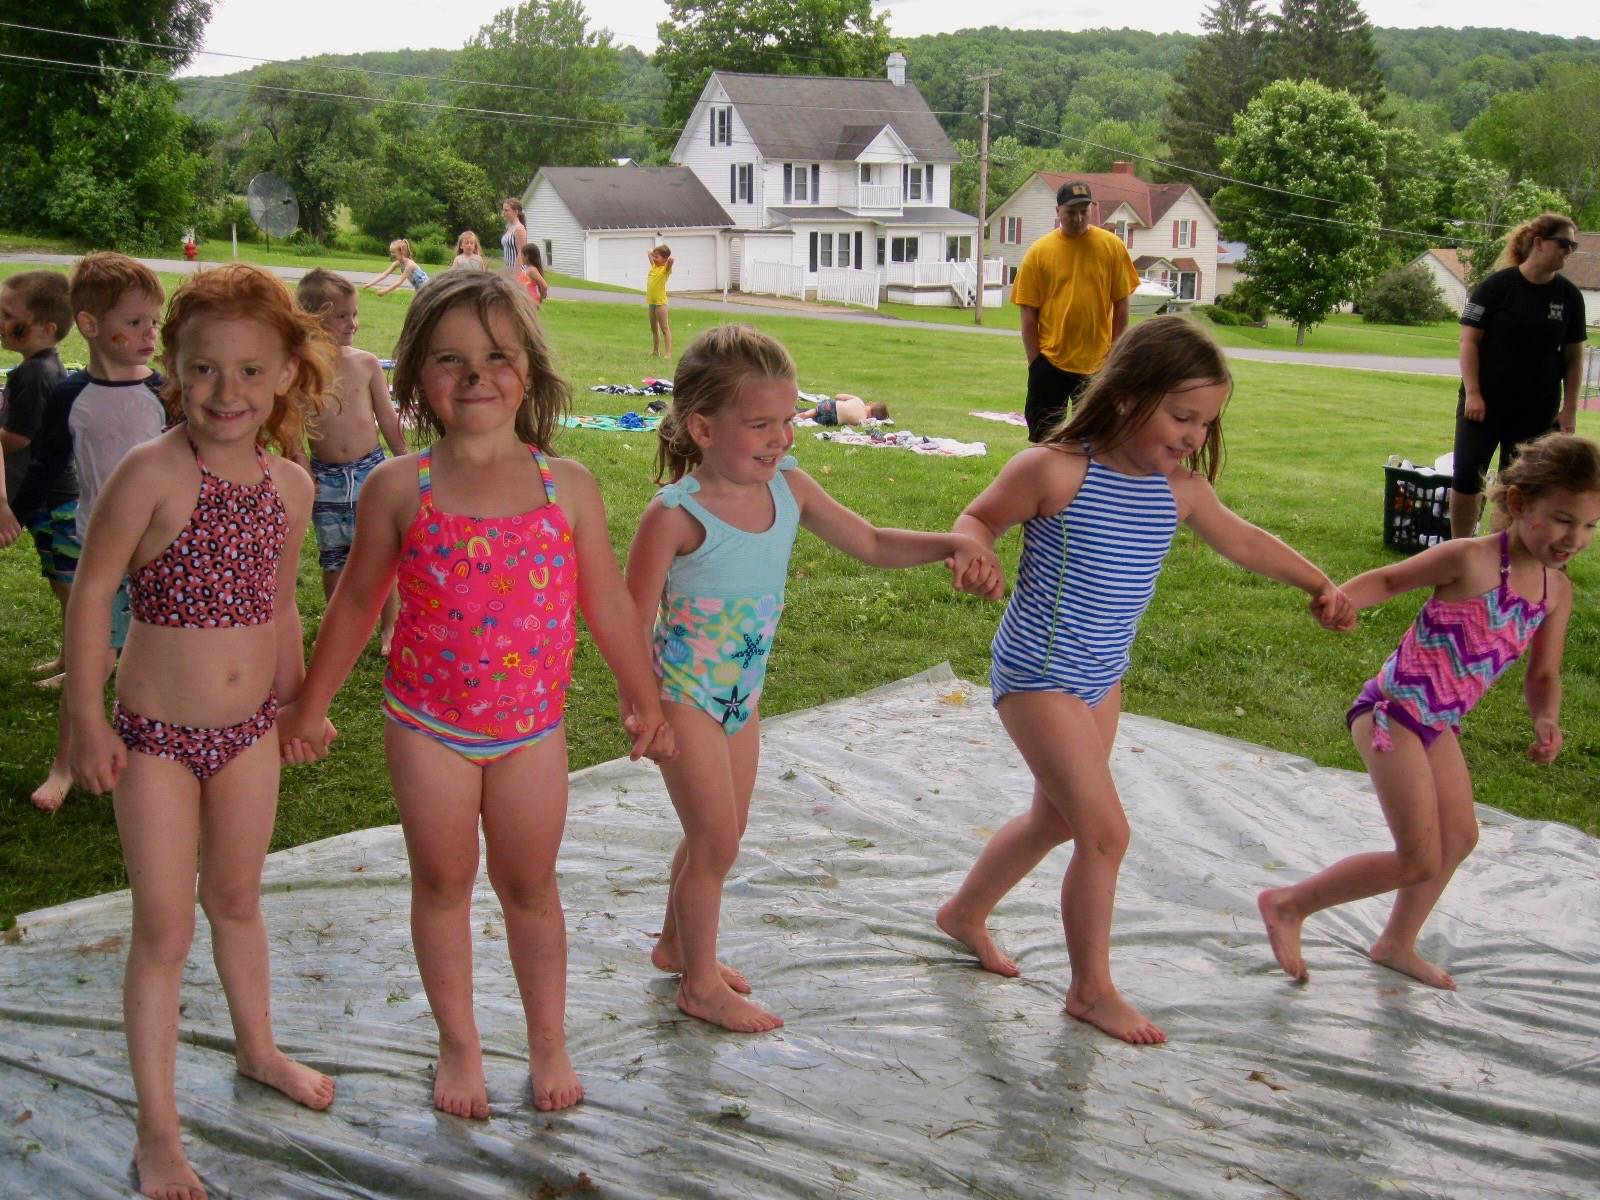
x=636 y=197
x=829 y=119
x=919 y=215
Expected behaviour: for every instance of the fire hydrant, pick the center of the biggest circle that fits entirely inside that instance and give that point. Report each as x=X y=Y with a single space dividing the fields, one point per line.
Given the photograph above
x=190 y=251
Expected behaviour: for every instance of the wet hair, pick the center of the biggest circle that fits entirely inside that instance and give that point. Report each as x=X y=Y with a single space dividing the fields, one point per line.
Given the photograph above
x=1519 y=242
x=879 y=410
x=531 y=256
x=545 y=394
x=1149 y=361
x=45 y=295
x=100 y=280
x=516 y=207
x=241 y=291
x=461 y=242
x=320 y=288
x=709 y=376
x=1556 y=462
x=399 y=249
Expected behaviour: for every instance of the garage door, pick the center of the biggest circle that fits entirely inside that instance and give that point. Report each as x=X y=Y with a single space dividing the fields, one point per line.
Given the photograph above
x=622 y=260
x=694 y=262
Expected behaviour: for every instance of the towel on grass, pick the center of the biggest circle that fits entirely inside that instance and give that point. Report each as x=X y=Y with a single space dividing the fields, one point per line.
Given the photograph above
x=1010 y=418
x=628 y=422
x=906 y=440
x=869 y=424
x=651 y=387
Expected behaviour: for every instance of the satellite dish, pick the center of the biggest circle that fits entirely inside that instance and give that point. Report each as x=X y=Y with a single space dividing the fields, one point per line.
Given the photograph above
x=273 y=206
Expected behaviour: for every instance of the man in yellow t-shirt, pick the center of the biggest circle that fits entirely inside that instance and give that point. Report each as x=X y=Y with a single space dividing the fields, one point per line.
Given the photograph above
x=1072 y=288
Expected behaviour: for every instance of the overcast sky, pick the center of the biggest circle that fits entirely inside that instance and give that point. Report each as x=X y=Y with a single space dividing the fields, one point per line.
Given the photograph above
x=296 y=28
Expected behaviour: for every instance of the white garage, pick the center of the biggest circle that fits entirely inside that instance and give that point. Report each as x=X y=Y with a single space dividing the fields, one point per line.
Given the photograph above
x=601 y=222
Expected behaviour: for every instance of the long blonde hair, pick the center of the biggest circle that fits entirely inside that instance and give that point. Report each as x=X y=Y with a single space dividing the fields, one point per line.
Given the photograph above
x=708 y=379
x=545 y=393
x=1148 y=361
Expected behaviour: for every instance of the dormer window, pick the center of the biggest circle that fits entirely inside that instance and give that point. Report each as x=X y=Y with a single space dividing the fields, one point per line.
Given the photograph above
x=722 y=125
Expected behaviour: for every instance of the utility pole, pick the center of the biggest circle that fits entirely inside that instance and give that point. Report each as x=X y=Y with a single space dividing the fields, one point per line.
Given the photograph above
x=983 y=198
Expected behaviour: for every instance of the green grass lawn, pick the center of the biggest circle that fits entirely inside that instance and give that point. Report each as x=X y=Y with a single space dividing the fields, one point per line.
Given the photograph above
x=1219 y=650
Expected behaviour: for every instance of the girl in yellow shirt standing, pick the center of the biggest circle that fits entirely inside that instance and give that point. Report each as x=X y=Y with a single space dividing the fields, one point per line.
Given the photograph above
x=655 y=298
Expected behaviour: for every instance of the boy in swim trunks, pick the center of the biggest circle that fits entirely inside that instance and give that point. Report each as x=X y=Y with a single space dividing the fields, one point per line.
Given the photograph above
x=844 y=409
x=344 y=446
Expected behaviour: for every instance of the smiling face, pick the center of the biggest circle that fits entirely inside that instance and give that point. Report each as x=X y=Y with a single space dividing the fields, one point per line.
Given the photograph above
x=1555 y=526
x=231 y=371
x=125 y=334
x=340 y=322
x=744 y=441
x=1174 y=431
x=474 y=378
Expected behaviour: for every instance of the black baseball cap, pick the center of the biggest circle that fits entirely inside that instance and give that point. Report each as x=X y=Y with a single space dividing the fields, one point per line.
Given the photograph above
x=1074 y=191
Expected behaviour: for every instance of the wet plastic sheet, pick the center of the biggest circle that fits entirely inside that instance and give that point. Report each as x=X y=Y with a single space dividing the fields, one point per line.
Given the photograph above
x=903 y=1071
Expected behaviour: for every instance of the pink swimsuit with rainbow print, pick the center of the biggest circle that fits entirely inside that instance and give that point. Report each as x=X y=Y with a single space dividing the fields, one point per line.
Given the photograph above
x=1448 y=659
x=482 y=650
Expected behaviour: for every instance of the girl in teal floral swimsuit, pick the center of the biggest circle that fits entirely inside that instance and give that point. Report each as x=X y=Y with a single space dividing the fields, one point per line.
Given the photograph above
x=707 y=569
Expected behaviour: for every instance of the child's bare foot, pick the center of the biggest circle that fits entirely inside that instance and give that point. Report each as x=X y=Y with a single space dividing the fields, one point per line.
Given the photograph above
x=385 y=640
x=975 y=936
x=164 y=1170
x=723 y=1006
x=1407 y=961
x=1111 y=1013
x=51 y=683
x=52 y=793
x=302 y=1084
x=459 y=1087
x=1283 y=931
x=555 y=1083
x=669 y=959
x=50 y=666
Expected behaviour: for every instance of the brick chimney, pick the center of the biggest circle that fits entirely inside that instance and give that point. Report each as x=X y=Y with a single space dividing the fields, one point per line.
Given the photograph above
x=896 y=63
x=1122 y=168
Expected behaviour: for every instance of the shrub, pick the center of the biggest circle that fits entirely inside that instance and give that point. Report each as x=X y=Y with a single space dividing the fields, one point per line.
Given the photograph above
x=1244 y=301
x=1405 y=296
x=1218 y=315
x=362 y=243
x=433 y=251
x=217 y=222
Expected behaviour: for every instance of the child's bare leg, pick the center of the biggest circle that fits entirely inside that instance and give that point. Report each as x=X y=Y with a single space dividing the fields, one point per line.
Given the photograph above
x=157 y=809
x=1403 y=778
x=237 y=808
x=52 y=793
x=655 y=330
x=1065 y=749
x=53 y=667
x=666 y=331
x=524 y=812
x=701 y=782
x=1396 y=946
x=440 y=795
x=1010 y=856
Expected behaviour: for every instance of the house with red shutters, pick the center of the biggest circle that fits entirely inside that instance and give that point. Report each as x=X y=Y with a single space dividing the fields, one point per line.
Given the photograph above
x=1169 y=229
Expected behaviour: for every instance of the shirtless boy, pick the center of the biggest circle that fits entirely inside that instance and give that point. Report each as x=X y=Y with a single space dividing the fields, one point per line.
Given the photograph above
x=845 y=409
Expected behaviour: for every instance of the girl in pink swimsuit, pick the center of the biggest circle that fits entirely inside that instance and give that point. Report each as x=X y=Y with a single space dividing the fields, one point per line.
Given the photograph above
x=1494 y=598
x=207 y=526
x=496 y=546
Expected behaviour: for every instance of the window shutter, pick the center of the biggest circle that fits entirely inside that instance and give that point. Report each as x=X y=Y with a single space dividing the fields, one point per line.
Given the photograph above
x=813 y=251
x=816 y=183
x=905 y=183
x=927 y=185
x=733 y=183
x=711 y=127
x=1174 y=233
x=788 y=183
x=860 y=262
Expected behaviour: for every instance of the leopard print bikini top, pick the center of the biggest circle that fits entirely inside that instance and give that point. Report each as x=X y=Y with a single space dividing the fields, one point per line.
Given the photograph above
x=222 y=569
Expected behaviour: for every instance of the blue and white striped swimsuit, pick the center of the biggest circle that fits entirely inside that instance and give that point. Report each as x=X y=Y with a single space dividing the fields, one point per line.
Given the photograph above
x=1070 y=624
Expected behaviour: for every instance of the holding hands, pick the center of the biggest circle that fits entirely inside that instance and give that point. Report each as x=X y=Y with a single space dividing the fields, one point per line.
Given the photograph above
x=1333 y=609
x=650 y=734
x=974 y=569
x=304 y=736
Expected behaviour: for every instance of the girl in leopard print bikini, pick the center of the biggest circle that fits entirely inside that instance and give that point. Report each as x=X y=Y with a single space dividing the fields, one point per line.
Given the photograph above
x=207 y=526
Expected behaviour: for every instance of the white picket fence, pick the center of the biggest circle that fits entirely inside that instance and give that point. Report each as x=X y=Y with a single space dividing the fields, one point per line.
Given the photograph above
x=846 y=285
x=773 y=279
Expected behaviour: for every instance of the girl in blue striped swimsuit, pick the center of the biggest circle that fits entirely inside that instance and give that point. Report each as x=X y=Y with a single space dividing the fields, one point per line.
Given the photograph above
x=1099 y=501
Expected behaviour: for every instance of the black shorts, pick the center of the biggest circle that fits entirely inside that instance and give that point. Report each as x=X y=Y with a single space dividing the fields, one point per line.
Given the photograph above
x=1050 y=391
x=1504 y=428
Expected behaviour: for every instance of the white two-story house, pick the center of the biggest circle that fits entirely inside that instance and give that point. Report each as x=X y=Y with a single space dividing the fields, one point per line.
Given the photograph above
x=823 y=174
x=1169 y=229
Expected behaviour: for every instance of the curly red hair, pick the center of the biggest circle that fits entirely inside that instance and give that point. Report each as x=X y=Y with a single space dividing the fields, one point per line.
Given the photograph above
x=242 y=290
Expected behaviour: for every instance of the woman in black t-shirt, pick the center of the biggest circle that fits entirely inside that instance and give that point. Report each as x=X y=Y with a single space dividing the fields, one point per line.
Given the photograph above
x=1522 y=336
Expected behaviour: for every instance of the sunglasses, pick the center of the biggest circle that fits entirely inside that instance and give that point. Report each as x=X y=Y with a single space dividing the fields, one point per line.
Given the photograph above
x=1566 y=243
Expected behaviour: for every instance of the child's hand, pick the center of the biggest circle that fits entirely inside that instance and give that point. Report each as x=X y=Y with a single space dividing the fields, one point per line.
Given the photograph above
x=975 y=569
x=651 y=735
x=1333 y=609
x=10 y=528
x=303 y=736
x=98 y=757
x=1546 y=741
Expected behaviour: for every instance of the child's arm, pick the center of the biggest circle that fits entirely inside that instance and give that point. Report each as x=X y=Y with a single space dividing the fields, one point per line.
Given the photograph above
x=10 y=529
x=387 y=502
x=405 y=267
x=123 y=512
x=1542 y=683
x=297 y=490
x=1256 y=550
x=662 y=535
x=853 y=534
x=1438 y=566
x=387 y=271
x=612 y=616
x=383 y=410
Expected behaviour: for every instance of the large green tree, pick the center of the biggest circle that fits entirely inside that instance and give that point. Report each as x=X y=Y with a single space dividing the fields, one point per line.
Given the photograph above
x=1331 y=42
x=542 y=61
x=1549 y=136
x=1220 y=75
x=770 y=37
x=1311 y=221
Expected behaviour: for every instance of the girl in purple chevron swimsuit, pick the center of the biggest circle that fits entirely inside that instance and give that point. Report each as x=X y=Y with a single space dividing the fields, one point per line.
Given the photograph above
x=1494 y=598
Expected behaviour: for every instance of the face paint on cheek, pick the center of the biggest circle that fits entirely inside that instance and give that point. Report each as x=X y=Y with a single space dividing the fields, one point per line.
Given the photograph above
x=119 y=339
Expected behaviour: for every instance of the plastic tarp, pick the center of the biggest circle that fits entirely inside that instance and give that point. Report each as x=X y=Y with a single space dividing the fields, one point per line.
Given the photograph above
x=903 y=1070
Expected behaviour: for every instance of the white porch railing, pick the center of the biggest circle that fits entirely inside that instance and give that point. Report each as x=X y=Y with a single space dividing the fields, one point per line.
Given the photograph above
x=846 y=285
x=939 y=274
x=773 y=279
x=878 y=195
x=994 y=270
